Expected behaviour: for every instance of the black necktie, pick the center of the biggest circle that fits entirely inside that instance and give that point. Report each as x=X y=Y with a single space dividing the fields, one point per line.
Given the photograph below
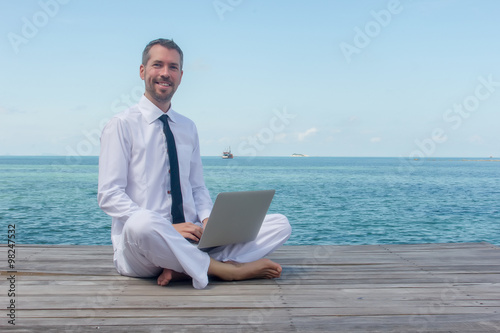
x=175 y=182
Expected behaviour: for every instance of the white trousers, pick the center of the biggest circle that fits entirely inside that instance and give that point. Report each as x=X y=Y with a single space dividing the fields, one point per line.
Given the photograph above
x=150 y=243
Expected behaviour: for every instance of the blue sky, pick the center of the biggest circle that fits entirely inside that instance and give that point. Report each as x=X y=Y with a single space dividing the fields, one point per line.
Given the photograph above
x=268 y=78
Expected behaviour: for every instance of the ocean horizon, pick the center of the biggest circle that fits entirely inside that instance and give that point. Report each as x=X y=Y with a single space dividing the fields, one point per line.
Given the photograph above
x=72 y=157
x=328 y=200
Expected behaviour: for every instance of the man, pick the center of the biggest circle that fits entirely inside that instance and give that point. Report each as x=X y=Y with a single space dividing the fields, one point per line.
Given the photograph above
x=139 y=188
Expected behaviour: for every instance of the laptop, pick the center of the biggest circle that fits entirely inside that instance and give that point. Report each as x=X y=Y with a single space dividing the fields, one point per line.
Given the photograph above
x=236 y=217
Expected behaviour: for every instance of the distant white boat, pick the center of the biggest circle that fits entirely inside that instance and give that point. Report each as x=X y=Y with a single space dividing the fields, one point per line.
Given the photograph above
x=299 y=155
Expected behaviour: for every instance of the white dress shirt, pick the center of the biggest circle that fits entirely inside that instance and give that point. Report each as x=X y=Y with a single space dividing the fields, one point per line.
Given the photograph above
x=134 y=167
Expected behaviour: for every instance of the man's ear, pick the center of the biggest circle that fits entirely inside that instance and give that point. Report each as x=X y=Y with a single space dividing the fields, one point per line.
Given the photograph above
x=141 y=71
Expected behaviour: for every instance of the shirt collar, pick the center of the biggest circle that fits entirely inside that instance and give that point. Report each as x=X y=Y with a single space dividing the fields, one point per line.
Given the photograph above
x=151 y=112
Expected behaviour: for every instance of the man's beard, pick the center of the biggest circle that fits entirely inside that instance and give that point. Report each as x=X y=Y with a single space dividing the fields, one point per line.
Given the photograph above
x=161 y=98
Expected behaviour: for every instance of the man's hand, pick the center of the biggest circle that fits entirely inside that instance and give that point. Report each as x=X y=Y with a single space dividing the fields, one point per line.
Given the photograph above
x=189 y=230
x=205 y=223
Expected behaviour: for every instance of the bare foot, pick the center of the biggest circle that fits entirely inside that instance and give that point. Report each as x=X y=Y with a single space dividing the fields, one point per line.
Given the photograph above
x=169 y=275
x=230 y=270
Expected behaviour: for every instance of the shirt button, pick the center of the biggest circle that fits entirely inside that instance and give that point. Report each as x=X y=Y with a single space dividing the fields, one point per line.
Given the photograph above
x=168 y=192
x=168 y=170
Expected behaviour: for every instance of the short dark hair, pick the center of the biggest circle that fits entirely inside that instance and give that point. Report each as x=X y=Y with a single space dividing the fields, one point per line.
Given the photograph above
x=168 y=43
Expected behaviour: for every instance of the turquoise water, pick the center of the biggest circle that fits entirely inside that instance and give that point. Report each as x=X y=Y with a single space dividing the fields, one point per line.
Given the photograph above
x=329 y=200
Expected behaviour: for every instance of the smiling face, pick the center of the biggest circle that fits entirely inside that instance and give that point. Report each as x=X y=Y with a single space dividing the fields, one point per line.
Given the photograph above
x=162 y=75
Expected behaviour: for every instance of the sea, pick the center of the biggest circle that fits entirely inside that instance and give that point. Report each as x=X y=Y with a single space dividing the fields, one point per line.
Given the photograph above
x=328 y=200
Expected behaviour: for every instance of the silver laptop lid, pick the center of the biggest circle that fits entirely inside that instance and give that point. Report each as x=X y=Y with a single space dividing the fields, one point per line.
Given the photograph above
x=236 y=217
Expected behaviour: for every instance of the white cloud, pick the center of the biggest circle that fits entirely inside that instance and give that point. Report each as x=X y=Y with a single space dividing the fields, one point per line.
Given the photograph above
x=10 y=110
x=199 y=65
x=79 y=108
x=280 y=137
x=476 y=139
x=307 y=133
x=375 y=139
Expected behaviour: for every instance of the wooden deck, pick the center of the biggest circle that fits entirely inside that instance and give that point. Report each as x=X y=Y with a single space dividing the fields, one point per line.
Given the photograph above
x=366 y=288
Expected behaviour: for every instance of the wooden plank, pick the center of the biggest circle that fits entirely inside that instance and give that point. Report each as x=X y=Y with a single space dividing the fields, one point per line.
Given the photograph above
x=290 y=290
x=332 y=310
x=365 y=288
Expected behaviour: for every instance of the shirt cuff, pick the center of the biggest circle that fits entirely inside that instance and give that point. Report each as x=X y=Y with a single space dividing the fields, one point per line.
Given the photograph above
x=204 y=214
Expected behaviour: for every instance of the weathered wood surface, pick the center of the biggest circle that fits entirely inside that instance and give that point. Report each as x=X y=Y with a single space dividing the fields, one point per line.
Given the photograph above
x=361 y=288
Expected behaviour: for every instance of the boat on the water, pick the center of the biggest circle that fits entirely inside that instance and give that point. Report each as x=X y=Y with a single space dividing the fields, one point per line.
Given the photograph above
x=227 y=154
